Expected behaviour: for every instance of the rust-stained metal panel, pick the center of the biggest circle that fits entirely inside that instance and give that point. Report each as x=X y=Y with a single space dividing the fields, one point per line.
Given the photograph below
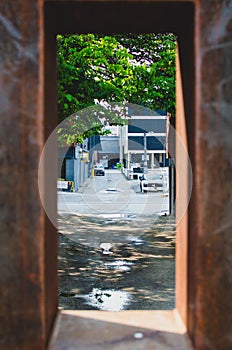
x=28 y=282
x=24 y=324
x=161 y=330
x=211 y=239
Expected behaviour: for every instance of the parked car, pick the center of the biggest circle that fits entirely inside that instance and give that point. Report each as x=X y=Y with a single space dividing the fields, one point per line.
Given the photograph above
x=151 y=182
x=99 y=170
x=134 y=173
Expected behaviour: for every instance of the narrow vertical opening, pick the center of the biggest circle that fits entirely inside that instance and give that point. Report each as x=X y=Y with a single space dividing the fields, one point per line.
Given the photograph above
x=68 y=16
x=116 y=224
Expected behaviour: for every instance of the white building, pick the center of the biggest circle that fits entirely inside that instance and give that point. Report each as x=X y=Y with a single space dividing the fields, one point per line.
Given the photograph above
x=145 y=135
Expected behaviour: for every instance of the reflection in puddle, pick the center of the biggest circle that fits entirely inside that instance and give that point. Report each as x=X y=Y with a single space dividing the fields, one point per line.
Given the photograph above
x=117 y=218
x=108 y=300
x=119 y=265
x=106 y=248
x=138 y=335
x=135 y=240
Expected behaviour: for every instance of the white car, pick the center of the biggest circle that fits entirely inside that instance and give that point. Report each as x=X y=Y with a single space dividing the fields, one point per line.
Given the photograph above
x=134 y=173
x=99 y=170
x=151 y=182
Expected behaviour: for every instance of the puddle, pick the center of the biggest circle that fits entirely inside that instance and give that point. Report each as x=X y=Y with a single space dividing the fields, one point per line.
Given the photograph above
x=110 y=218
x=106 y=248
x=119 y=265
x=138 y=335
x=108 y=300
x=117 y=216
x=135 y=240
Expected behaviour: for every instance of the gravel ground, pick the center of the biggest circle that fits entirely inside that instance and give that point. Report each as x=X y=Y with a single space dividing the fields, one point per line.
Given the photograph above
x=136 y=272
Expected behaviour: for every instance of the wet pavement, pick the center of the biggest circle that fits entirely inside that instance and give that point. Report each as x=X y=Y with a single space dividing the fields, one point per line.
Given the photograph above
x=116 y=263
x=116 y=251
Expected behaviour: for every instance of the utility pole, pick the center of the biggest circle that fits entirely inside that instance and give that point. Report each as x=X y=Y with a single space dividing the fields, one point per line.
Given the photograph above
x=145 y=153
x=172 y=194
x=121 y=148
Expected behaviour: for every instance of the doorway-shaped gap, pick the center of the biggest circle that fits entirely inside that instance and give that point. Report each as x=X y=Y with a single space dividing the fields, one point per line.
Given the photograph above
x=117 y=230
x=72 y=17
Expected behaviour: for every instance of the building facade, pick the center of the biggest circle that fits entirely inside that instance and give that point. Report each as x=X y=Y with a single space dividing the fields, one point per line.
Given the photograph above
x=145 y=139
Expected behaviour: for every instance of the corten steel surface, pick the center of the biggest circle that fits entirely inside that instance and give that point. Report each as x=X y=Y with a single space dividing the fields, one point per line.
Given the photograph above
x=28 y=241
x=210 y=278
x=118 y=16
x=161 y=330
x=22 y=221
x=182 y=196
x=25 y=320
x=76 y=17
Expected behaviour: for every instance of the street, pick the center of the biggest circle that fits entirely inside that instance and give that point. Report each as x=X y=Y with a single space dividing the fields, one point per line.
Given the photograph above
x=112 y=194
x=117 y=246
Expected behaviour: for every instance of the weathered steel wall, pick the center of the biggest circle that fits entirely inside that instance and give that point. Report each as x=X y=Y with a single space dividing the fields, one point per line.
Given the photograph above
x=28 y=107
x=210 y=279
x=25 y=319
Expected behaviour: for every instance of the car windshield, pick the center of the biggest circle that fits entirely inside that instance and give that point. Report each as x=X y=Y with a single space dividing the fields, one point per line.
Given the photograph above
x=137 y=170
x=153 y=177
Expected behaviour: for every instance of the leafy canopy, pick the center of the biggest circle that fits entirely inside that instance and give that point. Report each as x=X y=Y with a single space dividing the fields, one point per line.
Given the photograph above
x=131 y=68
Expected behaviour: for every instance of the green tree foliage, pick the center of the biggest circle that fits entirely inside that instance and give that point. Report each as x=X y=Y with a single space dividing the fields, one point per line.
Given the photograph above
x=138 y=69
x=91 y=121
x=91 y=68
x=154 y=70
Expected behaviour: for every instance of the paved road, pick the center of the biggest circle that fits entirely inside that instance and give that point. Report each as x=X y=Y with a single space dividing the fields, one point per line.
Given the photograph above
x=115 y=253
x=109 y=209
x=112 y=195
x=137 y=273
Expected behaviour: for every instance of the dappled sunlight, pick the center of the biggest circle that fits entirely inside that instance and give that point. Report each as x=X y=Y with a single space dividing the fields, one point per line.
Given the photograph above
x=94 y=230
x=144 y=271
